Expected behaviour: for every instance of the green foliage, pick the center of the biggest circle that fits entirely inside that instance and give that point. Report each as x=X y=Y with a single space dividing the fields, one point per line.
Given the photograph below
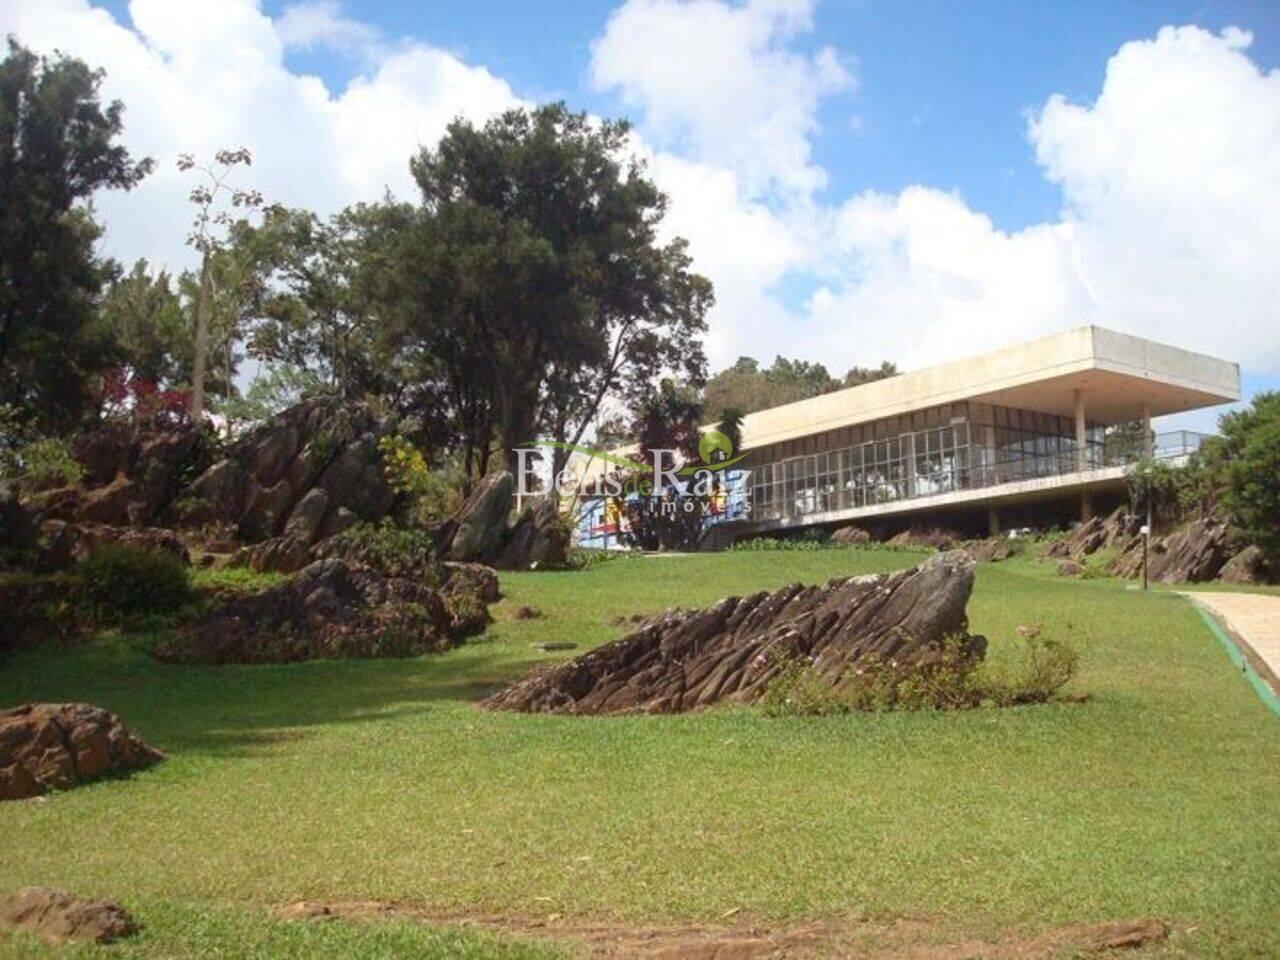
x=58 y=149
x=123 y=580
x=434 y=495
x=1043 y=666
x=746 y=387
x=948 y=676
x=145 y=317
x=393 y=550
x=41 y=463
x=1160 y=482
x=1246 y=462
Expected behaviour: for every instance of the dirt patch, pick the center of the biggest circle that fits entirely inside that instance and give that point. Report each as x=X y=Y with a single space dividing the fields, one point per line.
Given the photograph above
x=743 y=939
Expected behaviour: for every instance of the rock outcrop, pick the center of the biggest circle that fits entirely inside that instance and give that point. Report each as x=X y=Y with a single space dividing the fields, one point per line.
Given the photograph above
x=58 y=917
x=1250 y=565
x=991 y=550
x=1117 y=530
x=334 y=608
x=936 y=538
x=54 y=746
x=481 y=531
x=66 y=543
x=1194 y=554
x=730 y=651
x=850 y=535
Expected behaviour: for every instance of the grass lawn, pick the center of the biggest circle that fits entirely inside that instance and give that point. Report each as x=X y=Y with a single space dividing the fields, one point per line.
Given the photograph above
x=382 y=780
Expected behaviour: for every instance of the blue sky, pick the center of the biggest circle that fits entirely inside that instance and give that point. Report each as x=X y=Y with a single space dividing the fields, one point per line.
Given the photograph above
x=862 y=179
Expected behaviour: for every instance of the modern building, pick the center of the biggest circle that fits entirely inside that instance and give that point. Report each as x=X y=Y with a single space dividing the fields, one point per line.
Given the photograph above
x=1037 y=433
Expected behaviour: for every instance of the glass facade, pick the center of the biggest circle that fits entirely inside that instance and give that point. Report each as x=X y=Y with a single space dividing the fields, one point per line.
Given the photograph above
x=959 y=446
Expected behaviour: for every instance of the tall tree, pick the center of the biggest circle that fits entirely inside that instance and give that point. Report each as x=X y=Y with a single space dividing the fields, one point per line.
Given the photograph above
x=143 y=315
x=221 y=207
x=57 y=148
x=538 y=279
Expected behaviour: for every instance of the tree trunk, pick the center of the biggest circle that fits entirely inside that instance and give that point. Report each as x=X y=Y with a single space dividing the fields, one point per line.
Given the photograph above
x=202 y=337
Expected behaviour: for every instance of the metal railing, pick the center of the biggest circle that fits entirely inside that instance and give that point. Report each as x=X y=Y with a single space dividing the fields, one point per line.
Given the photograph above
x=829 y=492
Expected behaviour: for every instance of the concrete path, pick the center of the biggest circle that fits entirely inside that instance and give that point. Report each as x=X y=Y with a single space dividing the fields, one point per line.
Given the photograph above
x=1254 y=620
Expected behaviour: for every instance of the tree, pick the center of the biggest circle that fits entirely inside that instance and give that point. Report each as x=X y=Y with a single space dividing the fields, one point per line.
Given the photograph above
x=217 y=204
x=1245 y=460
x=143 y=315
x=57 y=148
x=746 y=387
x=536 y=277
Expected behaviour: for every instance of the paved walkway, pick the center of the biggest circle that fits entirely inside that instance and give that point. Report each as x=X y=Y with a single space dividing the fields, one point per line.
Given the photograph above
x=1254 y=618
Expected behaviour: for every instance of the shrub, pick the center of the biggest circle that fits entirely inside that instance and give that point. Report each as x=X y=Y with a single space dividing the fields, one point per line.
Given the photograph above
x=128 y=580
x=950 y=676
x=433 y=494
x=392 y=550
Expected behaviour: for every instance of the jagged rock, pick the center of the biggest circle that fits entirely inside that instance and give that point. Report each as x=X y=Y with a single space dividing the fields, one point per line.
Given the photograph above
x=1193 y=554
x=60 y=917
x=1116 y=530
x=221 y=494
x=66 y=543
x=354 y=479
x=272 y=453
x=991 y=550
x=104 y=453
x=731 y=650
x=264 y=515
x=307 y=518
x=1248 y=566
x=116 y=503
x=473 y=578
x=337 y=521
x=934 y=537
x=53 y=746
x=850 y=535
x=278 y=555
x=538 y=539
x=331 y=608
x=482 y=519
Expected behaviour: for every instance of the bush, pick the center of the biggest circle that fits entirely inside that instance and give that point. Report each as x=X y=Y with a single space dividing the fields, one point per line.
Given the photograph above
x=951 y=676
x=1043 y=668
x=394 y=551
x=128 y=580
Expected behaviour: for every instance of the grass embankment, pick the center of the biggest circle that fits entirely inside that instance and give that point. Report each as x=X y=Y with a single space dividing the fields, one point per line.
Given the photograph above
x=382 y=780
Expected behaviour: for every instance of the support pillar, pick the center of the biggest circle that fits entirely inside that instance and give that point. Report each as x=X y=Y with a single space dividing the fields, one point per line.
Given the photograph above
x=1148 y=441
x=1086 y=506
x=993 y=522
x=1082 y=436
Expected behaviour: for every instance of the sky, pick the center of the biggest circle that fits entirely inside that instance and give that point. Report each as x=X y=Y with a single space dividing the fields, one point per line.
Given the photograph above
x=861 y=179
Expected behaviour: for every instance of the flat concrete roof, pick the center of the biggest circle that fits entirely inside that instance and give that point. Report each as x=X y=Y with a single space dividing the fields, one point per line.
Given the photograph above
x=1115 y=373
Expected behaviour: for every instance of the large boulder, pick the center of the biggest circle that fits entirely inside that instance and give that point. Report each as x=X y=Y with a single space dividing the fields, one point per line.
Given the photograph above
x=481 y=522
x=54 y=746
x=733 y=649
x=1250 y=565
x=59 y=917
x=539 y=538
x=332 y=608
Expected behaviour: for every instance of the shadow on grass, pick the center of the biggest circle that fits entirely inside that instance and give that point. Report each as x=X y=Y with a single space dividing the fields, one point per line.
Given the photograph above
x=238 y=710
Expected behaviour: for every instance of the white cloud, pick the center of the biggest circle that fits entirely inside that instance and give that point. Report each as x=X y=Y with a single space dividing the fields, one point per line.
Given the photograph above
x=721 y=84
x=198 y=75
x=320 y=23
x=1170 y=178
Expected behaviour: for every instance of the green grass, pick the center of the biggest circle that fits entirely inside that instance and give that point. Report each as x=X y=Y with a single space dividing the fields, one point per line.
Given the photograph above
x=382 y=780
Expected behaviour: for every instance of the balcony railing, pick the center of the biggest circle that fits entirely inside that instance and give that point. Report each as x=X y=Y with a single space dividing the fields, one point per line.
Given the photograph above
x=964 y=469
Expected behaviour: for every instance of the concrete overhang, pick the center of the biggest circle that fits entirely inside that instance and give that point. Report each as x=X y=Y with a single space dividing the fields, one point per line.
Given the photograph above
x=1115 y=372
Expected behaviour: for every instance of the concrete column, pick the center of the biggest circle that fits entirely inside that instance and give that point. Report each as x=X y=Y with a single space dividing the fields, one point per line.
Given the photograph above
x=1082 y=436
x=1148 y=443
x=1086 y=506
x=993 y=521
